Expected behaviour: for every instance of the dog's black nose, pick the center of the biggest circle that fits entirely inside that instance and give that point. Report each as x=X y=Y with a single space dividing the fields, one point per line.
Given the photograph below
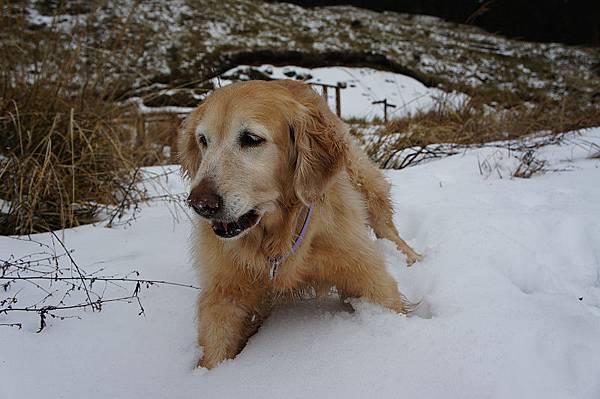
x=205 y=200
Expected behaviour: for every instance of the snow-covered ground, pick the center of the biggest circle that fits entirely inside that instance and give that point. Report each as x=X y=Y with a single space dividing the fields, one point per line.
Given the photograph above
x=363 y=86
x=510 y=292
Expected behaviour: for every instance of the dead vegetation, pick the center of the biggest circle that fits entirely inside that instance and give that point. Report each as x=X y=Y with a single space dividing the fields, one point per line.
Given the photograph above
x=448 y=127
x=65 y=153
x=529 y=165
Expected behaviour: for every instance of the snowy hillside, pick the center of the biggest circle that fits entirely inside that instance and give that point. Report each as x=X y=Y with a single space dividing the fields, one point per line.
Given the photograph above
x=510 y=292
x=184 y=41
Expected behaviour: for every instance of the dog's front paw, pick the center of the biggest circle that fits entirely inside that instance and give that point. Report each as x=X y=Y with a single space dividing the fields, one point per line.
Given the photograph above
x=205 y=363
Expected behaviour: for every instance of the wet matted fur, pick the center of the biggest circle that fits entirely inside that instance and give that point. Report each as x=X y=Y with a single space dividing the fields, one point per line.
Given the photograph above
x=268 y=150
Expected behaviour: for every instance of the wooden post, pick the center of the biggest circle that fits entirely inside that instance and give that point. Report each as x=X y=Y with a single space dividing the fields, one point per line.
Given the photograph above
x=338 y=100
x=140 y=130
x=385 y=110
x=325 y=94
x=174 y=124
x=385 y=107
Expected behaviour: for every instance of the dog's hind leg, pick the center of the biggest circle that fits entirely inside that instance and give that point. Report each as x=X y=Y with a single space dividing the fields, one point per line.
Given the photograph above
x=375 y=190
x=380 y=219
x=363 y=275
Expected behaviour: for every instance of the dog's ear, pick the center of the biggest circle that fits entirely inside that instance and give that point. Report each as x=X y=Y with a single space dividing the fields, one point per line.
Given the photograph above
x=320 y=147
x=188 y=151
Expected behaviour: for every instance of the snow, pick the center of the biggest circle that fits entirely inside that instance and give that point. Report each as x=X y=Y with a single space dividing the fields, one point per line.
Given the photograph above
x=510 y=291
x=362 y=87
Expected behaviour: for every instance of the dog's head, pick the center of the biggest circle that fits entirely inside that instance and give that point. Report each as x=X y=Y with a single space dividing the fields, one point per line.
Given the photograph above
x=253 y=147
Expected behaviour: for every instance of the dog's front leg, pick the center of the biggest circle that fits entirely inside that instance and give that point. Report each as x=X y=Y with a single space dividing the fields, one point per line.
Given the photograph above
x=228 y=316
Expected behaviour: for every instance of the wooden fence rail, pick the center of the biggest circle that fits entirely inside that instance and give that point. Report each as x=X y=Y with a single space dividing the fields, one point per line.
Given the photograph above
x=338 y=94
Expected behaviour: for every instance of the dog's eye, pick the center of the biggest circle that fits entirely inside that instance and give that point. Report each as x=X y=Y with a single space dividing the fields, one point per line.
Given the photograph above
x=248 y=139
x=202 y=140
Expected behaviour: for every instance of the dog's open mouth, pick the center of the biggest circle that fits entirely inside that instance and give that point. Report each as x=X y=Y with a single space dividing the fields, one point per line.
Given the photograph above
x=232 y=228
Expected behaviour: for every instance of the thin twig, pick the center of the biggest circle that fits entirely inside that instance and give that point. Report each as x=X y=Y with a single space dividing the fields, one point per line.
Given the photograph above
x=122 y=204
x=87 y=292
x=18 y=325
x=93 y=279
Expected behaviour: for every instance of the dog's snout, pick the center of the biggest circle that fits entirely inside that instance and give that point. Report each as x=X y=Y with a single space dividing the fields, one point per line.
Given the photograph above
x=205 y=200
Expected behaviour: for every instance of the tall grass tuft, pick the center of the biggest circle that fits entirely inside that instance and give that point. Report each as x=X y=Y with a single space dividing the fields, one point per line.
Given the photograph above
x=439 y=131
x=63 y=156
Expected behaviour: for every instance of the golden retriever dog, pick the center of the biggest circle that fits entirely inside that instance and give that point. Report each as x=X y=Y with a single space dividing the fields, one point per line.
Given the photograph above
x=285 y=200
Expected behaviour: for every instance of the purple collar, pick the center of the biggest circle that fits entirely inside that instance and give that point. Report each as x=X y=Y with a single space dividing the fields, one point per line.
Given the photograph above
x=279 y=259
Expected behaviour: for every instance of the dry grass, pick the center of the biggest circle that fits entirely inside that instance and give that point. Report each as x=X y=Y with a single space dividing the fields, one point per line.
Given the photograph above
x=529 y=165
x=439 y=131
x=63 y=155
x=61 y=164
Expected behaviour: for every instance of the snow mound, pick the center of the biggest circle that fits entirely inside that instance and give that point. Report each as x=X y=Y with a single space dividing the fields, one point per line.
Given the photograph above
x=362 y=86
x=510 y=291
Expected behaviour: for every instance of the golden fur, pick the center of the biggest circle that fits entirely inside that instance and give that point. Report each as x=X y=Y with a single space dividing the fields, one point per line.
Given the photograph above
x=309 y=158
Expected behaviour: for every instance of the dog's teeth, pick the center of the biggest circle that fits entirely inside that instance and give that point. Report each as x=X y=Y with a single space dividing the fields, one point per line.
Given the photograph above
x=234 y=228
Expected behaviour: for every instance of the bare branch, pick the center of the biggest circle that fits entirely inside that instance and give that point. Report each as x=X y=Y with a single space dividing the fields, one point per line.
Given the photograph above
x=42 y=271
x=92 y=279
